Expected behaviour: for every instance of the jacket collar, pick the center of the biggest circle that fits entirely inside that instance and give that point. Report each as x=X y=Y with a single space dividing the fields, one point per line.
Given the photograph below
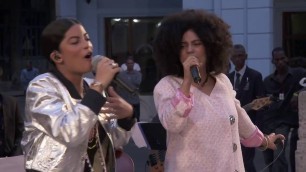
x=70 y=87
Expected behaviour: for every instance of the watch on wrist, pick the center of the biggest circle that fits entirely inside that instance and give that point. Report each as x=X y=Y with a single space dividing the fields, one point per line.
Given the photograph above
x=97 y=84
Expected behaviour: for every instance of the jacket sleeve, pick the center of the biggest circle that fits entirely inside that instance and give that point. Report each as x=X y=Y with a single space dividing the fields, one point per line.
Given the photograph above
x=245 y=126
x=173 y=116
x=119 y=136
x=51 y=110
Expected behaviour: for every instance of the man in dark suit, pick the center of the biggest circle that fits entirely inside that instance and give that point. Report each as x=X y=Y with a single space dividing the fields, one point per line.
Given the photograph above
x=248 y=84
x=11 y=127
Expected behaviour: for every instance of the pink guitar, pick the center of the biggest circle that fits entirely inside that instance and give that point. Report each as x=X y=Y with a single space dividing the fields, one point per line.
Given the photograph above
x=124 y=163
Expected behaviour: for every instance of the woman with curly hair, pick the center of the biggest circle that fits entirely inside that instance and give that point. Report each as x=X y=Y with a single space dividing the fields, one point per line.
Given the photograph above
x=205 y=123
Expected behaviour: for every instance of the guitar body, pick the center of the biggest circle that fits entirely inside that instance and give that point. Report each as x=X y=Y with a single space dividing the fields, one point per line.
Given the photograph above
x=124 y=163
x=156 y=160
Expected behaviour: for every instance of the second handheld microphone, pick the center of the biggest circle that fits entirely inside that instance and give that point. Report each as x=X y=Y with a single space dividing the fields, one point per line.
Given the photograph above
x=195 y=74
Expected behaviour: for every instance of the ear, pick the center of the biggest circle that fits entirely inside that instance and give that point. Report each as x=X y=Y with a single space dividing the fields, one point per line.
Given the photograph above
x=272 y=61
x=55 y=56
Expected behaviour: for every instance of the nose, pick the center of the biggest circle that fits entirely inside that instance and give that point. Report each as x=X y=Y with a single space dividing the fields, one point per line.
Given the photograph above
x=190 y=48
x=87 y=44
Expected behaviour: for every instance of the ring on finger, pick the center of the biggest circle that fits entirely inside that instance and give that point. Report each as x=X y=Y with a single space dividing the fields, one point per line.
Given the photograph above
x=112 y=110
x=114 y=64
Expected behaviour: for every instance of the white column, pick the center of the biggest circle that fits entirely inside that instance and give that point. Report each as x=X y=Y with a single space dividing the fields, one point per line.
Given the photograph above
x=65 y=8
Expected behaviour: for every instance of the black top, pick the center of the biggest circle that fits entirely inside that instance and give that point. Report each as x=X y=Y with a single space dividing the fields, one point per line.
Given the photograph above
x=281 y=112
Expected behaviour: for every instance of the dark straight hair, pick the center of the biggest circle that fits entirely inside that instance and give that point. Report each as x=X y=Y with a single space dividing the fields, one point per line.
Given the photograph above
x=54 y=33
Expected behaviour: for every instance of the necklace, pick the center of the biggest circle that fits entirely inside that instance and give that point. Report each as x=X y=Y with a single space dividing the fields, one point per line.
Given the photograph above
x=205 y=81
x=97 y=156
x=93 y=137
x=89 y=164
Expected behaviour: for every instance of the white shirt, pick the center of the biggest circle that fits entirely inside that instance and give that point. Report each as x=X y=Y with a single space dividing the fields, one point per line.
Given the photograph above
x=136 y=67
x=241 y=72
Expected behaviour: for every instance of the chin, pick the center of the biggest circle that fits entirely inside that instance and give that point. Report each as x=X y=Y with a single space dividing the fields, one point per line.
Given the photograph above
x=87 y=71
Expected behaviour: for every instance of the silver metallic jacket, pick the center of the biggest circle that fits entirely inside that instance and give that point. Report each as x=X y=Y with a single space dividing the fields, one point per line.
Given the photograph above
x=57 y=127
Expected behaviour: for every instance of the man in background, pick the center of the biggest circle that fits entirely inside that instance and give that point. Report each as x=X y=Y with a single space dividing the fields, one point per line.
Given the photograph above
x=27 y=74
x=248 y=84
x=136 y=66
x=11 y=127
x=133 y=78
x=282 y=116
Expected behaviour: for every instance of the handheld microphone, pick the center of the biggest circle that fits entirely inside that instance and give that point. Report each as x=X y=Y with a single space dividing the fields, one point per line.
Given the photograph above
x=195 y=74
x=279 y=145
x=120 y=81
x=117 y=79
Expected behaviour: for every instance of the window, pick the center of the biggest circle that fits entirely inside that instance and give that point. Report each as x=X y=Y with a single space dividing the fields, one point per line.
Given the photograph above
x=294 y=34
x=134 y=36
x=21 y=23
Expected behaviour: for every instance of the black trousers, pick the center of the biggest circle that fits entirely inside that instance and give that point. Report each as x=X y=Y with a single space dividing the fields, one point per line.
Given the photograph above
x=293 y=146
x=248 y=155
x=281 y=164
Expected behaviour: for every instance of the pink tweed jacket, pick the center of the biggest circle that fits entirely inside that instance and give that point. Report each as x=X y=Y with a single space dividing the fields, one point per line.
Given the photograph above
x=204 y=131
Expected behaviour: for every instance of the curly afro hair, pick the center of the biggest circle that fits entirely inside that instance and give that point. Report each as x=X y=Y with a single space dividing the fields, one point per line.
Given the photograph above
x=212 y=31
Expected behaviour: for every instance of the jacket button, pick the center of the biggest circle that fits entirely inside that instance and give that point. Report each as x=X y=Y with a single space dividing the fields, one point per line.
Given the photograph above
x=232 y=119
x=234 y=147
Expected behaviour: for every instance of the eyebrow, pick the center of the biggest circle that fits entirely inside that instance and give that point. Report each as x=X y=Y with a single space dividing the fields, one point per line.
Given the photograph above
x=73 y=37
x=197 y=40
x=76 y=37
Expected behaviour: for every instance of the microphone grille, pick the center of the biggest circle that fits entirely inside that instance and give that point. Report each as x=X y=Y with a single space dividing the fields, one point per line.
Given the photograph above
x=94 y=62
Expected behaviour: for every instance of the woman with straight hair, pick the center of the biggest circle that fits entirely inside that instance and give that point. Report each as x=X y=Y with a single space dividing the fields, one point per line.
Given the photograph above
x=68 y=125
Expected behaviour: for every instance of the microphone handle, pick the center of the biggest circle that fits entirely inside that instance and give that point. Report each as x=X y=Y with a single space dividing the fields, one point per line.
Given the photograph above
x=118 y=81
x=195 y=74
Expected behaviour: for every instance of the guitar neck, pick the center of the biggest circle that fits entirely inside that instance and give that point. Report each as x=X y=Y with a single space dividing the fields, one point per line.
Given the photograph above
x=257 y=104
x=247 y=107
x=156 y=160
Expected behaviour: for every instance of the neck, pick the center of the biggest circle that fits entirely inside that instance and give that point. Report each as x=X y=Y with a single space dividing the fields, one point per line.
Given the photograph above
x=282 y=71
x=75 y=78
x=238 y=68
x=205 y=81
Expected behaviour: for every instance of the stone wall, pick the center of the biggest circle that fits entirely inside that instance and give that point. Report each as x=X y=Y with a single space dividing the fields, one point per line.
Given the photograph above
x=300 y=154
